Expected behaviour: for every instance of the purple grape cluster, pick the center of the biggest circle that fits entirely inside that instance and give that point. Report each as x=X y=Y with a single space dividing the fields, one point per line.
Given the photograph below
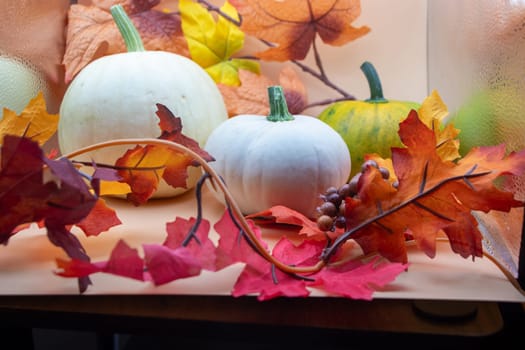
x=331 y=213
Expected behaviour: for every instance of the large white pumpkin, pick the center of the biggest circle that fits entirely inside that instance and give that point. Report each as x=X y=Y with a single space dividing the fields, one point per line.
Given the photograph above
x=115 y=97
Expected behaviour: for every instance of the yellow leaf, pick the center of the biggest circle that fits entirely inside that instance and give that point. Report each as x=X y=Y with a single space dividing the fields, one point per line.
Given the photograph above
x=114 y=188
x=34 y=122
x=212 y=43
x=433 y=112
x=432 y=108
x=227 y=72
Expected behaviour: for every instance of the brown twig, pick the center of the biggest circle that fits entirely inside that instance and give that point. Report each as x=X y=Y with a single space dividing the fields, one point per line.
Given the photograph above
x=217 y=10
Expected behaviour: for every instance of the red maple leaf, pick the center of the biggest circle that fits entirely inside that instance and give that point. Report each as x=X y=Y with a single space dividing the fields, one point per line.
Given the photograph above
x=258 y=275
x=181 y=255
x=234 y=245
x=262 y=278
x=356 y=279
x=353 y=279
x=21 y=185
x=165 y=264
x=268 y=284
x=198 y=243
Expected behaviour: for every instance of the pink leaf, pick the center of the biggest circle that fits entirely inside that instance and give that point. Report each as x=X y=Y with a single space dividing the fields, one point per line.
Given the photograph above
x=357 y=280
x=200 y=245
x=165 y=265
x=233 y=246
x=268 y=284
x=306 y=253
x=123 y=261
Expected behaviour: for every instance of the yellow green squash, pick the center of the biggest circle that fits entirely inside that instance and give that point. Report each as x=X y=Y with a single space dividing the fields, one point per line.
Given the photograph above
x=369 y=126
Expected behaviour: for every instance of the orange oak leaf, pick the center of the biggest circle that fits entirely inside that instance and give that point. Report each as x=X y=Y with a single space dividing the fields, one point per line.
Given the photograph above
x=293 y=25
x=434 y=197
x=248 y=98
x=143 y=166
x=92 y=33
x=294 y=90
x=251 y=97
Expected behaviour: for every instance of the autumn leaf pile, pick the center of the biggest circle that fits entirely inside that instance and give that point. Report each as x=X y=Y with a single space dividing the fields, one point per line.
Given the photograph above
x=435 y=185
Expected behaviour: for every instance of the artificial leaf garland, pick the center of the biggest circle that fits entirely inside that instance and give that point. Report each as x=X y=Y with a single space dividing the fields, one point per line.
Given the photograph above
x=442 y=194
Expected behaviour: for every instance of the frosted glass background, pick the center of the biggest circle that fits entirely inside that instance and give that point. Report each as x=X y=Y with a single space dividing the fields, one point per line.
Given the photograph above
x=32 y=31
x=476 y=60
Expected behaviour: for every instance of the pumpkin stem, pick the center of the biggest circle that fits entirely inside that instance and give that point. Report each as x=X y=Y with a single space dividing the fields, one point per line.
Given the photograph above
x=128 y=31
x=376 y=91
x=278 y=107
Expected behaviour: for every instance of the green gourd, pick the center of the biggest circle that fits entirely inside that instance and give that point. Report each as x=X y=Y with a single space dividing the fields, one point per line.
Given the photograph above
x=369 y=126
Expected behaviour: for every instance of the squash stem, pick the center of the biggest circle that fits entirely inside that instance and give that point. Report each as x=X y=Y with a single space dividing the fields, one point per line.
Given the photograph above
x=128 y=31
x=376 y=90
x=278 y=107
